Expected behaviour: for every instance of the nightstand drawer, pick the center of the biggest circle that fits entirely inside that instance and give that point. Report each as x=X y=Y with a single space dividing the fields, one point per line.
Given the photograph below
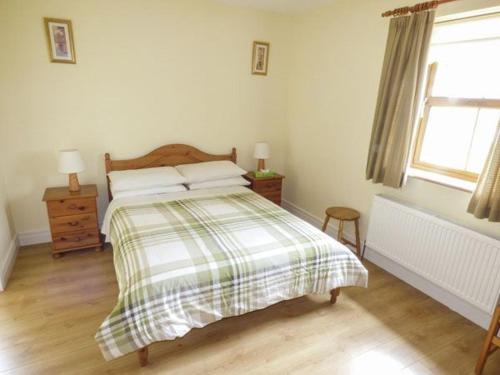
x=266 y=191
x=267 y=186
x=64 y=224
x=75 y=239
x=274 y=197
x=65 y=207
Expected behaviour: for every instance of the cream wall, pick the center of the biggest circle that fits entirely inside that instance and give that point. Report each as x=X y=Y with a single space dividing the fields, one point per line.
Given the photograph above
x=336 y=63
x=148 y=73
x=164 y=71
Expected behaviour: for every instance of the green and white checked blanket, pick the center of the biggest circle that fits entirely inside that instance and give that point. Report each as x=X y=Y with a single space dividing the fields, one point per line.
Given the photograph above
x=191 y=261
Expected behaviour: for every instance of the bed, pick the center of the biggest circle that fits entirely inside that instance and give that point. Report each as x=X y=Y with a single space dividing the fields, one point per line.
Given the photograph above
x=184 y=260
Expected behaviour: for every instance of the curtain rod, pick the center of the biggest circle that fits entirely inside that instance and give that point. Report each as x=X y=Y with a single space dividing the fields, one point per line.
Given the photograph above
x=415 y=8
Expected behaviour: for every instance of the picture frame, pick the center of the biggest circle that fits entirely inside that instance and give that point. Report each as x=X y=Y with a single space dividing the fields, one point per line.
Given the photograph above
x=260 y=58
x=60 y=40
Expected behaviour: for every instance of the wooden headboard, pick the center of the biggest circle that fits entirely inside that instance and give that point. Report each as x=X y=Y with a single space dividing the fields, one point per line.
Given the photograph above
x=165 y=156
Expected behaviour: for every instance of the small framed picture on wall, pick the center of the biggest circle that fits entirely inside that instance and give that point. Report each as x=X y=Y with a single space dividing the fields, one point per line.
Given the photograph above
x=260 y=58
x=60 y=40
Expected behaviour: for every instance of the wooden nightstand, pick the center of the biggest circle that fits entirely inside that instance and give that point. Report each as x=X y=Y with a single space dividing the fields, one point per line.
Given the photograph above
x=73 y=219
x=268 y=187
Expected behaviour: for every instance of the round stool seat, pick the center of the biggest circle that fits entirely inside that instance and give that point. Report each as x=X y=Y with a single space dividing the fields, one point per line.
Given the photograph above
x=342 y=213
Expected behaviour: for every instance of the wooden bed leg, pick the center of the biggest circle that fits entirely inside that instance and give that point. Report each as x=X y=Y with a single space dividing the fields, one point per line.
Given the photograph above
x=143 y=356
x=334 y=293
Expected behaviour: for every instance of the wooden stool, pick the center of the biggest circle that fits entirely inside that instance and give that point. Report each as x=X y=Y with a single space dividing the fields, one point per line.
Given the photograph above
x=344 y=214
x=491 y=343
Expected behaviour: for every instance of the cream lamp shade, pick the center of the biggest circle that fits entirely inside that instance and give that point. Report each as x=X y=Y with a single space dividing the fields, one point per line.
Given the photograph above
x=71 y=162
x=261 y=152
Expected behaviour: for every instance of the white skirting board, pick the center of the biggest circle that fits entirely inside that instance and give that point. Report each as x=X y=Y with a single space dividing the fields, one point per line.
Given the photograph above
x=7 y=263
x=332 y=228
x=34 y=237
x=448 y=299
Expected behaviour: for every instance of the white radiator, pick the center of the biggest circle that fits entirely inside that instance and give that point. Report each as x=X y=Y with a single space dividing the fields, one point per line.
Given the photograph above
x=458 y=260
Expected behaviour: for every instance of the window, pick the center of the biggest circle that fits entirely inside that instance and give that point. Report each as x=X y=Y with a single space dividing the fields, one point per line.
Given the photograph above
x=461 y=106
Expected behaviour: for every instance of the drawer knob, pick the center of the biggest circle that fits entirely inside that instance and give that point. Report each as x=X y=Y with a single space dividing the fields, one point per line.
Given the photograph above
x=73 y=223
x=76 y=238
x=73 y=239
x=75 y=207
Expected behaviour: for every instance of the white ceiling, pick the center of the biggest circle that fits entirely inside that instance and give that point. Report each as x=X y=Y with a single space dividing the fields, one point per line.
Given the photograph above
x=282 y=6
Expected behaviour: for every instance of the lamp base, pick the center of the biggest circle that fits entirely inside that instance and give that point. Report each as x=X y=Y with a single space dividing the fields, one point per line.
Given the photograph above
x=74 y=185
x=261 y=165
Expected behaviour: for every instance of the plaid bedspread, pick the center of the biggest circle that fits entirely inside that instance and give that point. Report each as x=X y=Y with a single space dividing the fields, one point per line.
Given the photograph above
x=190 y=262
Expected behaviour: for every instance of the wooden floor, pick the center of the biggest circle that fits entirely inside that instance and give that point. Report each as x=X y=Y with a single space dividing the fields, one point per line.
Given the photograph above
x=53 y=307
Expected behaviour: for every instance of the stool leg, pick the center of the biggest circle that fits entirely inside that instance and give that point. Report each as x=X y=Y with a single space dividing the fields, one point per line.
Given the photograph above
x=358 y=241
x=341 y=231
x=325 y=224
x=494 y=326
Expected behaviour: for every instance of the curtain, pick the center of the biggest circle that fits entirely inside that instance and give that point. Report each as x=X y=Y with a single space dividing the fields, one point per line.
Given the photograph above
x=485 y=202
x=398 y=97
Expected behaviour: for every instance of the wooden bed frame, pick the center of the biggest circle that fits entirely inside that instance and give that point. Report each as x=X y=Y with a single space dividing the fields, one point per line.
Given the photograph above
x=171 y=155
x=144 y=352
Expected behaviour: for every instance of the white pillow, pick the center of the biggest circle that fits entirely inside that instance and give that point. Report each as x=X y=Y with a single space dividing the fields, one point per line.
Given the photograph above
x=233 y=181
x=146 y=178
x=156 y=190
x=209 y=170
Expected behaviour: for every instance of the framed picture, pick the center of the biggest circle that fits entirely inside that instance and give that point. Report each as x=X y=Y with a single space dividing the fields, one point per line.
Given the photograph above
x=60 y=39
x=260 y=58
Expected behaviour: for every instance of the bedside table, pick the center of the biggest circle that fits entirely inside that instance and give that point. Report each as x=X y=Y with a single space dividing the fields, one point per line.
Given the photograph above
x=73 y=219
x=268 y=187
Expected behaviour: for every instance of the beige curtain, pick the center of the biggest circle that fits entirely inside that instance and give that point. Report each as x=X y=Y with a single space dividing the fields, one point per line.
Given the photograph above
x=398 y=97
x=485 y=202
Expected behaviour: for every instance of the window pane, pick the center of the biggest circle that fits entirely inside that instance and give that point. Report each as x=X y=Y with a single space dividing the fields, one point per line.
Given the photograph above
x=467 y=70
x=478 y=28
x=483 y=137
x=468 y=57
x=448 y=136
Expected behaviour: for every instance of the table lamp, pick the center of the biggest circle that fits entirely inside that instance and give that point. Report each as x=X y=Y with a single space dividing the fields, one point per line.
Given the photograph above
x=261 y=153
x=71 y=162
